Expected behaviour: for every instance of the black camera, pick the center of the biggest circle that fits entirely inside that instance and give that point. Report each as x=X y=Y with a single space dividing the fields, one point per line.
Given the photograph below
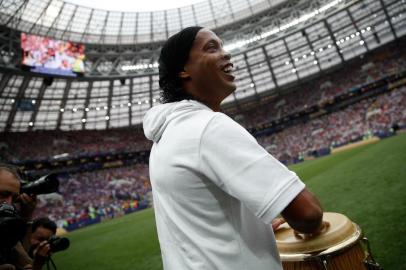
x=58 y=243
x=46 y=184
x=12 y=226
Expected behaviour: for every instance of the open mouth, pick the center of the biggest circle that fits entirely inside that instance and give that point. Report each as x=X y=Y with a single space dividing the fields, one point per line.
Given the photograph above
x=228 y=68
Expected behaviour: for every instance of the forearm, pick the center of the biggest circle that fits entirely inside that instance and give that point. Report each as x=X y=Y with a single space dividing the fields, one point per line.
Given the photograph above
x=304 y=214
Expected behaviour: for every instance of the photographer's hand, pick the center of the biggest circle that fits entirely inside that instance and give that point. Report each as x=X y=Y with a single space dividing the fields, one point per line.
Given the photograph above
x=28 y=205
x=41 y=254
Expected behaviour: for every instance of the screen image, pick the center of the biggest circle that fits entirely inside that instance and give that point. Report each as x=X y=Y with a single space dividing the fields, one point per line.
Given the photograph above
x=49 y=56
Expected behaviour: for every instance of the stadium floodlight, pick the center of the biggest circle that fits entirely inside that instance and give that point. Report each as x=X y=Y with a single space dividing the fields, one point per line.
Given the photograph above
x=140 y=66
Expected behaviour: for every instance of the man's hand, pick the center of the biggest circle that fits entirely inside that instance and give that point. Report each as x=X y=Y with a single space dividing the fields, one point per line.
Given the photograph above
x=43 y=250
x=306 y=236
x=277 y=222
x=27 y=205
x=41 y=254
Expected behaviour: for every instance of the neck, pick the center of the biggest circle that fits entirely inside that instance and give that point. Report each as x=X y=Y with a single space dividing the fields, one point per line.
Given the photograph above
x=210 y=100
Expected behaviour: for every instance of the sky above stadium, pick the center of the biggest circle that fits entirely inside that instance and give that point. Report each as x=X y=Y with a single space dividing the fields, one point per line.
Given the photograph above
x=134 y=5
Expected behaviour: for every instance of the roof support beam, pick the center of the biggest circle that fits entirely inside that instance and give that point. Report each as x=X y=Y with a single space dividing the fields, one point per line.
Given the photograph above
x=357 y=28
x=63 y=103
x=334 y=40
x=38 y=102
x=291 y=58
x=109 y=100
x=87 y=25
x=388 y=19
x=18 y=98
x=56 y=19
x=69 y=26
x=268 y=62
x=87 y=102
x=251 y=77
x=311 y=48
x=130 y=115
x=39 y=17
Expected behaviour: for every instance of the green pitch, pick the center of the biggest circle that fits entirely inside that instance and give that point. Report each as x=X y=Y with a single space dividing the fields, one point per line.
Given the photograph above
x=368 y=184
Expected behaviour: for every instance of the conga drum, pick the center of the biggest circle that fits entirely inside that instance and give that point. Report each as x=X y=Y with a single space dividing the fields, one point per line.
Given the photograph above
x=340 y=247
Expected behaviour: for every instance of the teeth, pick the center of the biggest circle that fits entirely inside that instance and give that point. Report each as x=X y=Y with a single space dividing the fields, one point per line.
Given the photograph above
x=228 y=69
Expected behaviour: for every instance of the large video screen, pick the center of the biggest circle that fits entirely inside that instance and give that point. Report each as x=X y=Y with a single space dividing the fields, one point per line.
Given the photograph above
x=49 y=56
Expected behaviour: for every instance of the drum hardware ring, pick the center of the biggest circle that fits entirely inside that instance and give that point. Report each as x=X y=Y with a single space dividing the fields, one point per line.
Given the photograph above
x=369 y=261
x=324 y=261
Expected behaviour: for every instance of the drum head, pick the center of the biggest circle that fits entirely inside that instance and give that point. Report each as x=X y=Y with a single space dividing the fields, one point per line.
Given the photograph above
x=341 y=230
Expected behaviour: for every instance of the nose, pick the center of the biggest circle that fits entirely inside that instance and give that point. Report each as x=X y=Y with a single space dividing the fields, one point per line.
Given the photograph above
x=226 y=55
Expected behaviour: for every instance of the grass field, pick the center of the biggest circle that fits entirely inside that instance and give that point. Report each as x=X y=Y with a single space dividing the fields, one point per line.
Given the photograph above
x=368 y=184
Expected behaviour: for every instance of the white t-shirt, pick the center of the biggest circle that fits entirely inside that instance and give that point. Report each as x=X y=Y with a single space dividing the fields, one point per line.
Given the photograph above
x=215 y=190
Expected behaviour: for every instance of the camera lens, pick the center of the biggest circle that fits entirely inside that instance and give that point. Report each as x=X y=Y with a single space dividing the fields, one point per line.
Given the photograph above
x=58 y=243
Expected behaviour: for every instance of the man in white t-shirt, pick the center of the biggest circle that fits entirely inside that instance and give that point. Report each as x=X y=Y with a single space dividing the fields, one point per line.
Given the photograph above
x=215 y=189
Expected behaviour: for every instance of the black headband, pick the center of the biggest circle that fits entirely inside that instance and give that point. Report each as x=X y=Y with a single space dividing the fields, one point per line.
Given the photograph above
x=174 y=55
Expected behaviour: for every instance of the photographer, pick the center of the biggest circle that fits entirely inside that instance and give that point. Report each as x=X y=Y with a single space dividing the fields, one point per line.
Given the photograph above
x=42 y=229
x=12 y=254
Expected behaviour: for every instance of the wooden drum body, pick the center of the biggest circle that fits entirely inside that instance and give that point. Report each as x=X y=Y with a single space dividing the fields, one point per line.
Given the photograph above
x=341 y=247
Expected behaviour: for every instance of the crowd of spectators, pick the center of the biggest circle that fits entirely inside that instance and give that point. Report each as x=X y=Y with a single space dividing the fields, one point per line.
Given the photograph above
x=46 y=145
x=367 y=117
x=96 y=195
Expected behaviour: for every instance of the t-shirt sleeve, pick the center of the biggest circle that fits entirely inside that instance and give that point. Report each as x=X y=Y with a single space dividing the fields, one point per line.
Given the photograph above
x=236 y=163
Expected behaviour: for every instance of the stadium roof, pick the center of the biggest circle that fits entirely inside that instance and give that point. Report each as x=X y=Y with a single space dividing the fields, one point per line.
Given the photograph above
x=64 y=20
x=134 y=6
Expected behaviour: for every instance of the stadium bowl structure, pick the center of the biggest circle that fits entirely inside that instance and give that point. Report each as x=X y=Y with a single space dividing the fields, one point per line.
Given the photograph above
x=274 y=44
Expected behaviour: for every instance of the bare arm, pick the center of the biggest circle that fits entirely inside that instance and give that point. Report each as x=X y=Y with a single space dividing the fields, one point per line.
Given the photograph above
x=304 y=213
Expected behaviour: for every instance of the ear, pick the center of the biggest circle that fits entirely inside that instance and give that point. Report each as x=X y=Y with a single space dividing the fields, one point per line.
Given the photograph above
x=184 y=75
